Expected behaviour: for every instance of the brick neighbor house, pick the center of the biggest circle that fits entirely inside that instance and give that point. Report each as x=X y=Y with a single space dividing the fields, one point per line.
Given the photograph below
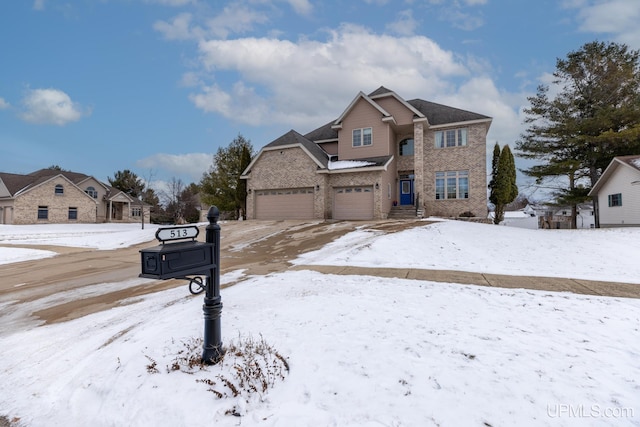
x=382 y=155
x=53 y=196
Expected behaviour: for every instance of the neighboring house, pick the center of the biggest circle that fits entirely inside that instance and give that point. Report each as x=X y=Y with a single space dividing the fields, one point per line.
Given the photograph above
x=617 y=193
x=54 y=196
x=381 y=154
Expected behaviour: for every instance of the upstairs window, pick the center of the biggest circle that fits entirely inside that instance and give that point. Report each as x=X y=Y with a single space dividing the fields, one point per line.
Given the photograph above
x=59 y=190
x=451 y=138
x=615 y=200
x=362 y=137
x=406 y=147
x=91 y=192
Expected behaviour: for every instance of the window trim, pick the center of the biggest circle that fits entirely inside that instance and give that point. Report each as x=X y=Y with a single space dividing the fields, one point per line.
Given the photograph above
x=615 y=200
x=360 y=140
x=43 y=212
x=73 y=213
x=59 y=190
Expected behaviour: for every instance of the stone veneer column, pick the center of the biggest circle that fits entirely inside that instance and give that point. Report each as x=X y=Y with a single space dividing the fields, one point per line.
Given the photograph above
x=418 y=161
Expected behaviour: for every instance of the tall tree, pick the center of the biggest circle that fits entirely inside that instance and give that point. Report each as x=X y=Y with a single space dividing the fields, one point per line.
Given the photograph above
x=128 y=182
x=494 y=171
x=222 y=185
x=504 y=189
x=593 y=117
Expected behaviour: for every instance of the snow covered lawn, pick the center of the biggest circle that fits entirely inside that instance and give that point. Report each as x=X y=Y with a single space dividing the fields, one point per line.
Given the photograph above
x=362 y=350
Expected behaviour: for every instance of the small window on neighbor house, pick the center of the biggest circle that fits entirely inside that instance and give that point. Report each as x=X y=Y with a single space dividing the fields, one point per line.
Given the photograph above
x=615 y=200
x=43 y=212
x=91 y=192
x=406 y=147
x=136 y=211
x=73 y=213
x=59 y=189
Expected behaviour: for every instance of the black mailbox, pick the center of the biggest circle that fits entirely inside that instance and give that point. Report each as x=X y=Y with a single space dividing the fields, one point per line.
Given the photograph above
x=174 y=260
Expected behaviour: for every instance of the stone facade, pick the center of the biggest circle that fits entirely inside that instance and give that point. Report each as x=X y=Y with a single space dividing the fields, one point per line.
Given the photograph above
x=57 y=205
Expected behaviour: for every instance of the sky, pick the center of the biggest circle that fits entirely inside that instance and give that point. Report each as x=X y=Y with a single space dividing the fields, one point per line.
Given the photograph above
x=360 y=350
x=157 y=86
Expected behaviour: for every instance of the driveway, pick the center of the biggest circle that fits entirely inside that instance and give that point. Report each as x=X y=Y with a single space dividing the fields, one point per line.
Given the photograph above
x=258 y=247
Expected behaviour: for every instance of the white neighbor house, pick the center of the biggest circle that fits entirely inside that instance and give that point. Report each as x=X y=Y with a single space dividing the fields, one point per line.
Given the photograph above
x=618 y=193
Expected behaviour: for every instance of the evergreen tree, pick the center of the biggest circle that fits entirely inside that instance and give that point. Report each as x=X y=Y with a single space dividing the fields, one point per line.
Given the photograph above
x=127 y=182
x=222 y=185
x=504 y=190
x=494 y=171
x=593 y=117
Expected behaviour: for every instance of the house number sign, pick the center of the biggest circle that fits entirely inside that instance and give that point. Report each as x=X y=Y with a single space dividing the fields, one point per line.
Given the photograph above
x=176 y=233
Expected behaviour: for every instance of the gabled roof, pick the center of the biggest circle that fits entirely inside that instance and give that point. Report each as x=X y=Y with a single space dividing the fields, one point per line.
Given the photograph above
x=293 y=139
x=359 y=96
x=323 y=133
x=632 y=162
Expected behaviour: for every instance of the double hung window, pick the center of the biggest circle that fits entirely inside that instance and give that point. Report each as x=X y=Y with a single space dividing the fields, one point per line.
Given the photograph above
x=362 y=137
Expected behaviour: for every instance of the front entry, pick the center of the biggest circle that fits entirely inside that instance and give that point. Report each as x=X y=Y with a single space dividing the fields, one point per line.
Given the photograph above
x=406 y=192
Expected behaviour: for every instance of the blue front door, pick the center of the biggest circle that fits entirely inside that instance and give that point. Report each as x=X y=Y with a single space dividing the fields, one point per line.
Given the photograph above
x=406 y=192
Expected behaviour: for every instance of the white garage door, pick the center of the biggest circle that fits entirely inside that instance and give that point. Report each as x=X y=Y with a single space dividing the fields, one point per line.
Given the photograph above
x=295 y=203
x=353 y=203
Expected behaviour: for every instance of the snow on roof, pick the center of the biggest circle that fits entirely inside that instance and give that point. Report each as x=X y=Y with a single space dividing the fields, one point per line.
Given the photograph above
x=636 y=162
x=347 y=164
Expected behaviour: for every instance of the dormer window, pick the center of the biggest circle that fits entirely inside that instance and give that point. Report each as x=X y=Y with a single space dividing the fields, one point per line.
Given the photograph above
x=59 y=191
x=362 y=137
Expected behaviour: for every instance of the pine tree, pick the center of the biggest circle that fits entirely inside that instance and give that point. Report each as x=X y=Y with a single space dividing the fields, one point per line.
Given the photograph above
x=504 y=189
x=593 y=117
x=222 y=185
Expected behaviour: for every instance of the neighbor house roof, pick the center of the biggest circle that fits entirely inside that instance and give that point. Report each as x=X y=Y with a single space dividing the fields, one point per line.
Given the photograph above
x=632 y=162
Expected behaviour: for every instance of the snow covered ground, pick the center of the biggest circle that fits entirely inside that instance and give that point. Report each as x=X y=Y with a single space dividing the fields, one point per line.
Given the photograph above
x=361 y=350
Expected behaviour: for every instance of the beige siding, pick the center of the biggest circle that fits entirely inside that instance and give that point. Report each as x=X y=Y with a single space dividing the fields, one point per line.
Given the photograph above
x=363 y=115
x=294 y=203
x=401 y=114
x=620 y=182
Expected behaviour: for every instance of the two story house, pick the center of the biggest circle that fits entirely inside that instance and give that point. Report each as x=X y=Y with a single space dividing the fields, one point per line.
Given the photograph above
x=380 y=154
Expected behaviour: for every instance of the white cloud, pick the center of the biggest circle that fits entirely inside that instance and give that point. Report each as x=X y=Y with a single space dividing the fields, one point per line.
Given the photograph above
x=617 y=17
x=173 y=3
x=305 y=80
x=404 y=25
x=4 y=104
x=302 y=7
x=192 y=164
x=50 y=106
x=38 y=5
x=233 y=19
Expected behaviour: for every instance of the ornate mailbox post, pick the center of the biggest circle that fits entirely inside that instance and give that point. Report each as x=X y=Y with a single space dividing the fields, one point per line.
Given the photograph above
x=177 y=260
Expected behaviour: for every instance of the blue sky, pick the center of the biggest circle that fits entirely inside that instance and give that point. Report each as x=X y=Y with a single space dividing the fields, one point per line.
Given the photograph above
x=156 y=86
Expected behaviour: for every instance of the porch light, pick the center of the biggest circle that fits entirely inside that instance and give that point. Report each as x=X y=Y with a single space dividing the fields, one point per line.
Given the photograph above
x=377 y=186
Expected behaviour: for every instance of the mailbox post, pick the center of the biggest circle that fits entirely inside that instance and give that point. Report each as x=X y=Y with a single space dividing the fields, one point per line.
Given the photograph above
x=177 y=260
x=212 y=308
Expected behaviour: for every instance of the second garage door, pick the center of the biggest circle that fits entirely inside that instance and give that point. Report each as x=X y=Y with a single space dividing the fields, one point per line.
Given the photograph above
x=353 y=203
x=295 y=203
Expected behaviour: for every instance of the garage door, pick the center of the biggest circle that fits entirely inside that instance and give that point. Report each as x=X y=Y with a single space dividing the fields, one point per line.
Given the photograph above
x=353 y=203
x=295 y=203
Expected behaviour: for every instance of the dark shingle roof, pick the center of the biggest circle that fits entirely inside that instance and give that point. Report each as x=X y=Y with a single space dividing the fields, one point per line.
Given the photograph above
x=292 y=137
x=439 y=114
x=323 y=133
x=381 y=90
x=15 y=182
